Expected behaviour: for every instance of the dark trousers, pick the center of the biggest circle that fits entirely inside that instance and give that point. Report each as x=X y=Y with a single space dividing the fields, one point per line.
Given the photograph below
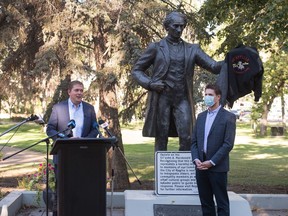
x=173 y=108
x=209 y=184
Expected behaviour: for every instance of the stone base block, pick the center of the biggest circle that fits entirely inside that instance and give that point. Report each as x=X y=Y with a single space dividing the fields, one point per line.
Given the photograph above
x=143 y=202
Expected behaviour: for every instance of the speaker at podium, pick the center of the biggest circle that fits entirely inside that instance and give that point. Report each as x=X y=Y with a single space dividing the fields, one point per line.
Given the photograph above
x=81 y=175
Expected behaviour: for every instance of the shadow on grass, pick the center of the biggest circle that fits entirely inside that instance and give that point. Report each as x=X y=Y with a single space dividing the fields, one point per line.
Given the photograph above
x=258 y=164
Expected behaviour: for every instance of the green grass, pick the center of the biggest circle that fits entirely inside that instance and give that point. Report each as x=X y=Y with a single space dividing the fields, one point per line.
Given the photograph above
x=27 y=135
x=254 y=160
x=260 y=161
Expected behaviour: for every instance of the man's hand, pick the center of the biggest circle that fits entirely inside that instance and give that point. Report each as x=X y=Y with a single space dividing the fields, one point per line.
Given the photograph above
x=158 y=86
x=198 y=163
x=202 y=165
x=207 y=164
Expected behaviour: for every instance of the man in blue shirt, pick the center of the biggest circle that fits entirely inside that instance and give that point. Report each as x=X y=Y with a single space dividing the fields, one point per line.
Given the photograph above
x=212 y=140
x=72 y=109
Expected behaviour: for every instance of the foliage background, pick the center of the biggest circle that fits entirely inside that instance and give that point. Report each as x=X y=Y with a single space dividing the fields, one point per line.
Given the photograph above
x=46 y=44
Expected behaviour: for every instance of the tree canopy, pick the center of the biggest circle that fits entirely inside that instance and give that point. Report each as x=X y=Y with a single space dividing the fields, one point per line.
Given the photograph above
x=262 y=24
x=45 y=44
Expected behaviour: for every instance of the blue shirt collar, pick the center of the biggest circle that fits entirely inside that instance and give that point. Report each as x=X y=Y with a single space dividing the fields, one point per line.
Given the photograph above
x=70 y=103
x=215 y=111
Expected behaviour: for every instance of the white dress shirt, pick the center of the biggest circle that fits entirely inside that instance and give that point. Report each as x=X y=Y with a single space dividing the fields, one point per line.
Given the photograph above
x=76 y=113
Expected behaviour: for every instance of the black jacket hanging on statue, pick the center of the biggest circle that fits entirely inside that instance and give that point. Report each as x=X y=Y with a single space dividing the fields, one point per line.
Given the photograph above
x=241 y=74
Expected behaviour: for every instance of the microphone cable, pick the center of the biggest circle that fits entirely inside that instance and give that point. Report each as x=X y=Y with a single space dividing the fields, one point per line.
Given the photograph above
x=31 y=118
x=10 y=138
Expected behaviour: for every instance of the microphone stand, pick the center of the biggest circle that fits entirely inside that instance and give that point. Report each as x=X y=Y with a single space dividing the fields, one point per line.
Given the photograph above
x=112 y=179
x=126 y=160
x=31 y=118
x=115 y=144
x=112 y=171
x=47 y=150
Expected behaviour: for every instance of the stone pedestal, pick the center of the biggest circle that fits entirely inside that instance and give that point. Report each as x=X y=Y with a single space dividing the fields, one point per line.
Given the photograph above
x=146 y=203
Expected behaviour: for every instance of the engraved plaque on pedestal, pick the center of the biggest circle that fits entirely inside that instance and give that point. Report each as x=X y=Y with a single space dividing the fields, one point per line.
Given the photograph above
x=175 y=173
x=177 y=210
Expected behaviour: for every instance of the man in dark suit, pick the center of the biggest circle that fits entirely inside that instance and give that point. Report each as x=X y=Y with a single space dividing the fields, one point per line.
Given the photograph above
x=212 y=140
x=74 y=108
x=170 y=101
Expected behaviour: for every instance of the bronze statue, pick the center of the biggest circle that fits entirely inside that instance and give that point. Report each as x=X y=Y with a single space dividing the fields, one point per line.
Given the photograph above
x=169 y=109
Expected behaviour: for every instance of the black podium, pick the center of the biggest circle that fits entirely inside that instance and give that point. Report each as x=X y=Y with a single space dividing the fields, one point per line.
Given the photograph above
x=81 y=175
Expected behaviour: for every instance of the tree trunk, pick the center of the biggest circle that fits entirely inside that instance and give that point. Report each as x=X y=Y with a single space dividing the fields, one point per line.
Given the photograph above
x=283 y=109
x=108 y=104
x=263 y=121
x=60 y=94
x=109 y=112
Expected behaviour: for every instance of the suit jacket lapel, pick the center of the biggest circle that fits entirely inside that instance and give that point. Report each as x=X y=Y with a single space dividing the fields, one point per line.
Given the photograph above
x=66 y=111
x=202 y=125
x=84 y=114
x=165 y=50
x=187 y=53
x=86 y=119
x=216 y=120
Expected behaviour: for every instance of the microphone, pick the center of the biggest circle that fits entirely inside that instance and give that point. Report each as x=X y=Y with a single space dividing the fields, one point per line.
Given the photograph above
x=39 y=120
x=32 y=118
x=71 y=124
x=68 y=131
x=61 y=135
x=104 y=125
x=96 y=126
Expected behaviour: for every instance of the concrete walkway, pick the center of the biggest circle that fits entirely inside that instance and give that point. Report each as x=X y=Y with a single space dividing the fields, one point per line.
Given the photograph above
x=25 y=158
x=121 y=212
x=42 y=212
x=120 y=209
x=20 y=164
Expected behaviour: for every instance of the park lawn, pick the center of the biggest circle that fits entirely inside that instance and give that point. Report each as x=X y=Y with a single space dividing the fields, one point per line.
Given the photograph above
x=259 y=161
x=254 y=160
x=26 y=135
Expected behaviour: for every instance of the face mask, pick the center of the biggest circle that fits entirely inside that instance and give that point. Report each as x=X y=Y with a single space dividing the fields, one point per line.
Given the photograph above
x=209 y=100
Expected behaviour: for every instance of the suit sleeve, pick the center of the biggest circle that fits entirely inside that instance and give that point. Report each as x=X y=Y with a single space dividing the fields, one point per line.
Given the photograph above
x=229 y=138
x=194 y=146
x=195 y=141
x=143 y=63
x=92 y=132
x=52 y=125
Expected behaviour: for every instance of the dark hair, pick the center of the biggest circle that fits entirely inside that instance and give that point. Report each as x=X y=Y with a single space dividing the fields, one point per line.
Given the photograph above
x=215 y=87
x=170 y=18
x=73 y=83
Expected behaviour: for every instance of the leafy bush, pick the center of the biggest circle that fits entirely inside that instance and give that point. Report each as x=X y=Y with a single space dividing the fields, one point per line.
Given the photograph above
x=37 y=181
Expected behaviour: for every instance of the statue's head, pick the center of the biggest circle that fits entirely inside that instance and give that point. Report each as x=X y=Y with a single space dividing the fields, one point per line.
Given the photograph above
x=172 y=16
x=174 y=23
